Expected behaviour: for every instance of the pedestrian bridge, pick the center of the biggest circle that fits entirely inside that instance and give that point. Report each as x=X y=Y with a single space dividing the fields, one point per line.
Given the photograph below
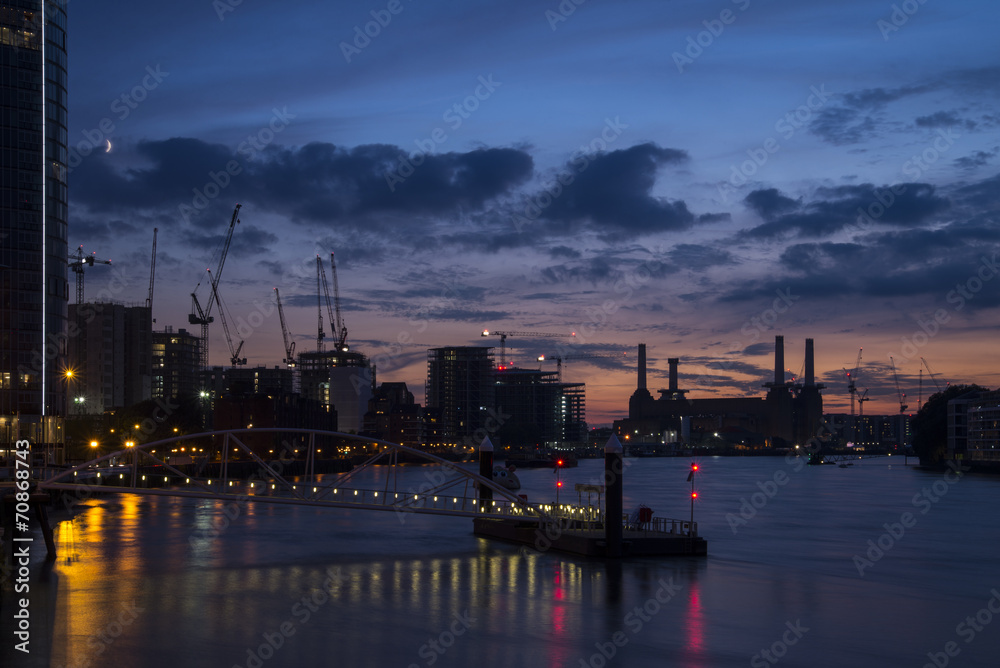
x=450 y=490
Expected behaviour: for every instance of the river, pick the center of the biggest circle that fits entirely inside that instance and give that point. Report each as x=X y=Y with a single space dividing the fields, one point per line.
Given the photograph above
x=791 y=579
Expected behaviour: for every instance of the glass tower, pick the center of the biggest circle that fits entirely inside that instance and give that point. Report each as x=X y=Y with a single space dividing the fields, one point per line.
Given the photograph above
x=33 y=215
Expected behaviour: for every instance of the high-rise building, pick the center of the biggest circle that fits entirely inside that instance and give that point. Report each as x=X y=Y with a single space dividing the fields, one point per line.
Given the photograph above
x=534 y=409
x=341 y=380
x=111 y=356
x=176 y=364
x=394 y=416
x=33 y=196
x=460 y=382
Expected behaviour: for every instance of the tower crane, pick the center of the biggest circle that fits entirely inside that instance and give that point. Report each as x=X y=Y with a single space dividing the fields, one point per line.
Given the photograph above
x=203 y=317
x=77 y=266
x=559 y=360
x=862 y=398
x=234 y=351
x=320 y=334
x=851 y=378
x=930 y=373
x=289 y=344
x=336 y=322
x=899 y=392
x=503 y=339
x=152 y=276
x=339 y=329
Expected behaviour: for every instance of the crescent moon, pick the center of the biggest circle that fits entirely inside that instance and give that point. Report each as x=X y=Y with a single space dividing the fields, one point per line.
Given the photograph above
x=108 y=149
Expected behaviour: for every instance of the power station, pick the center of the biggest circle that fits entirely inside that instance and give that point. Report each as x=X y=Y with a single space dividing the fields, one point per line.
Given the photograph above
x=789 y=414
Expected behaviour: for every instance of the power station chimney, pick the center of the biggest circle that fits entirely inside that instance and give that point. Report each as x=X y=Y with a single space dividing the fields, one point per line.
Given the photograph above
x=779 y=360
x=642 y=366
x=672 y=361
x=810 y=369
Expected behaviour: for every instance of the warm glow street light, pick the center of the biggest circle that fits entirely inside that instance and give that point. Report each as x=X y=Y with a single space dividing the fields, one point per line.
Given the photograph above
x=94 y=444
x=129 y=444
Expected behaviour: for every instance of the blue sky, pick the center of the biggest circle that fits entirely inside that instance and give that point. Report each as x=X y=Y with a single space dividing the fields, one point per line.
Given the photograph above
x=696 y=176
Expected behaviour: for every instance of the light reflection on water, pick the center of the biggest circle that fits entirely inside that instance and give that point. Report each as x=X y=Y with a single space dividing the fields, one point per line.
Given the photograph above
x=377 y=589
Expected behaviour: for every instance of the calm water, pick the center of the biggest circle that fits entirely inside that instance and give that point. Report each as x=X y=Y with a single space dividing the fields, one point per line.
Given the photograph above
x=356 y=588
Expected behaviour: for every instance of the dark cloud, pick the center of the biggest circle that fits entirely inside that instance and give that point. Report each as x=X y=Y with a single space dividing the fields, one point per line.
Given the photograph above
x=983 y=196
x=855 y=117
x=927 y=264
x=757 y=349
x=769 y=202
x=698 y=257
x=611 y=192
x=944 y=119
x=837 y=208
x=609 y=268
x=975 y=160
x=318 y=182
x=564 y=252
x=842 y=126
x=249 y=240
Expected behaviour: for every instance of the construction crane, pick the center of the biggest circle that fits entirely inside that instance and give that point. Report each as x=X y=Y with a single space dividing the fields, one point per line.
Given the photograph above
x=899 y=392
x=320 y=334
x=289 y=344
x=920 y=390
x=234 y=351
x=862 y=398
x=852 y=376
x=503 y=339
x=203 y=317
x=339 y=328
x=559 y=360
x=930 y=373
x=152 y=275
x=78 y=265
x=336 y=321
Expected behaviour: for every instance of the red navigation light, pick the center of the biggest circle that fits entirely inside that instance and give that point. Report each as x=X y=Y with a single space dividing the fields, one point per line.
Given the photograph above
x=559 y=484
x=559 y=463
x=694 y=467
x=694 y=495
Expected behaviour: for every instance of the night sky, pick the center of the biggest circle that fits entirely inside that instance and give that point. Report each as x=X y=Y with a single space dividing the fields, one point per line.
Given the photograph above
x=698 y=176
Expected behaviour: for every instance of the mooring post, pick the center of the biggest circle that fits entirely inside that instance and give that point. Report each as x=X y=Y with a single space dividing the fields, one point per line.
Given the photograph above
x=613 y=469
x=485 y=470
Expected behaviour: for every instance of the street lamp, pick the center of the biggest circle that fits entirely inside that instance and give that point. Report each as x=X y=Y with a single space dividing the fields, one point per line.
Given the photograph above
x=94 y=444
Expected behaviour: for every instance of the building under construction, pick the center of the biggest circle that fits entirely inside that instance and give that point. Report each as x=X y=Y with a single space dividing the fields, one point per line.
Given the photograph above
x=339 y=378
x=789 y=414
